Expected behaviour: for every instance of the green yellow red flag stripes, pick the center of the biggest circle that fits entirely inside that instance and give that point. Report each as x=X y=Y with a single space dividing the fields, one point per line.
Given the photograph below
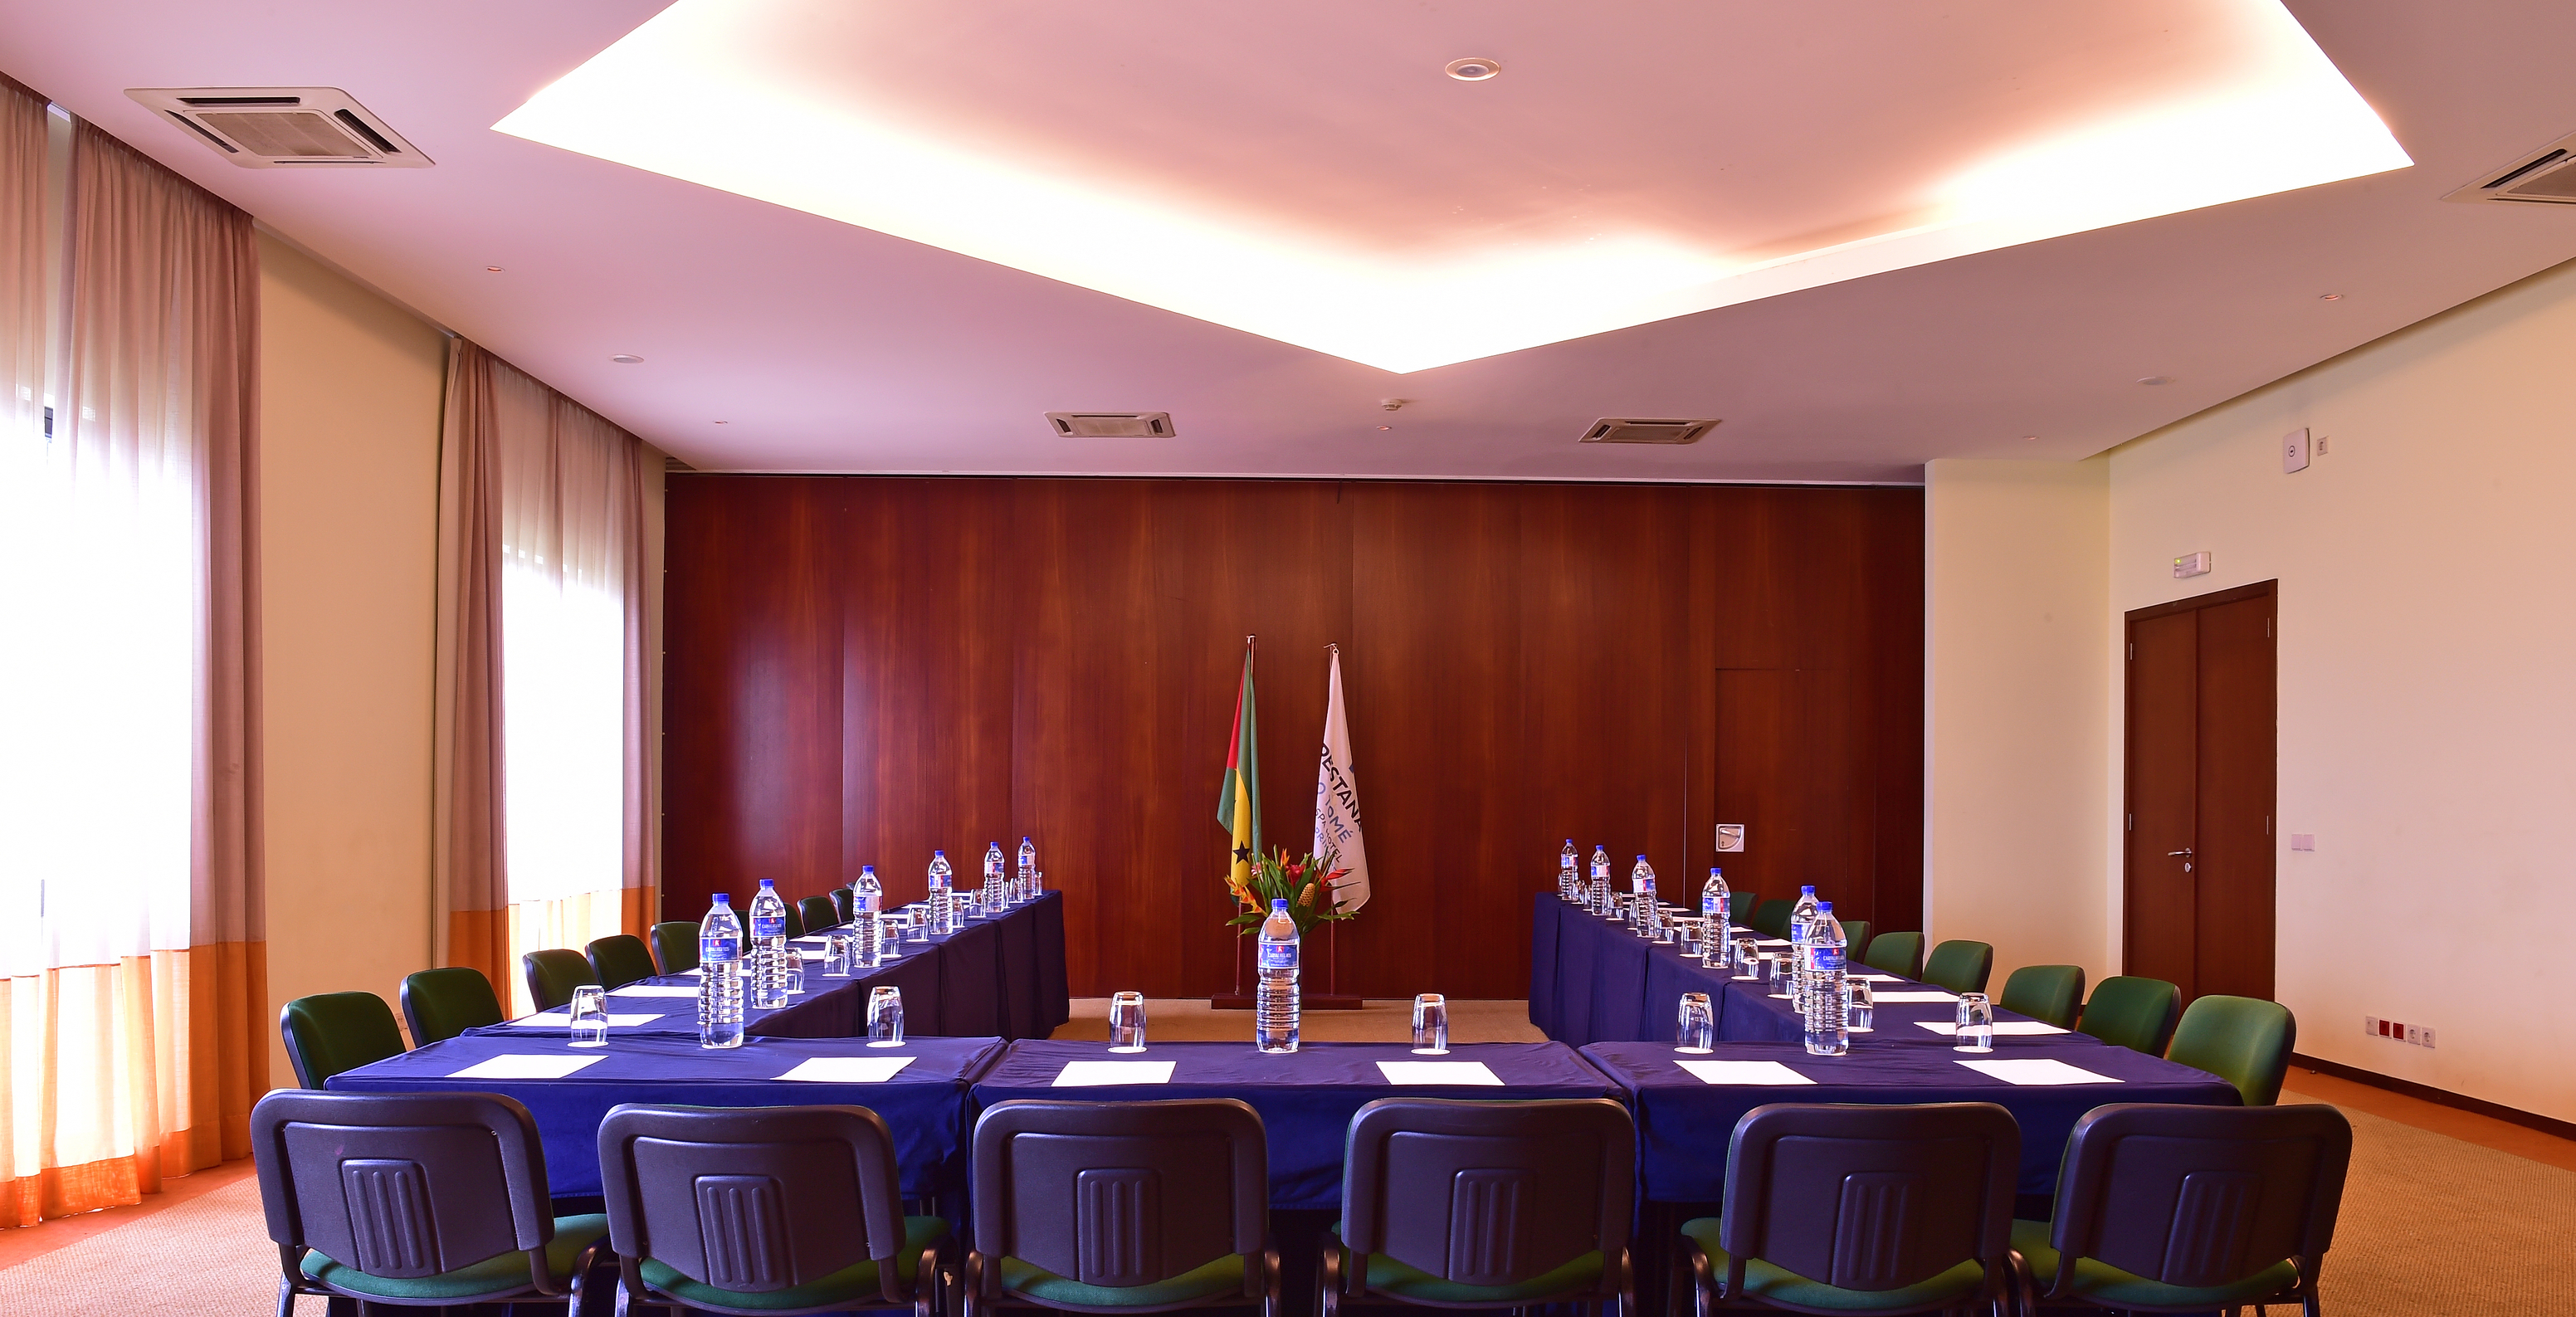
x=1238 y=798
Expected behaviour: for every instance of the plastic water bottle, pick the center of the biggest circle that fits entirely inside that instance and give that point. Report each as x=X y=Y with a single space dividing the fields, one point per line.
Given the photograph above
x=990 y=894
x=867 y=913
x=1641 y=881
x=1826 y=1034
x=1601 y=901
x=1566 y=867
x=1027 y=889
x=943 y=905
x=769 y=951
x=1275 y=1009
x=1800 y=916
x=720 y=976
x=1716 y=941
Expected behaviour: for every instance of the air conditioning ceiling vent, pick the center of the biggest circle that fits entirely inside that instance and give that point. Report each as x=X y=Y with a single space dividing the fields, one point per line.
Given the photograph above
x=1112 y=425
x=283 y=127
x=1635 y=430
x=2546 y=177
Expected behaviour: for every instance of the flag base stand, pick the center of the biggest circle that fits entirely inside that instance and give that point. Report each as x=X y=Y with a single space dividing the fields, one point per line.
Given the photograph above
x=1240 y=1000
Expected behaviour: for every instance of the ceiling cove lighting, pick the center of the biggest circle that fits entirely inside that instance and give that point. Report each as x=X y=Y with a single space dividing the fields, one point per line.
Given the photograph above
x=1332 y=198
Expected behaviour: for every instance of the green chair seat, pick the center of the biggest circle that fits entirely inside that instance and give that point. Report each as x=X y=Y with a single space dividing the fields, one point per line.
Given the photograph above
x=675 y=945
x=2242 y=1040
x=1404 y=1281
x=2133 y=1012
x=856 y=1285
x=1771 y=918
x=1220 y=1279
x=1900 y=954
x=1774 y=1284
x=502 y=1273
x=1960 y=965
x=2107 y=1285
x=329 y=1032
x=440 y=1004
x=2045 y=992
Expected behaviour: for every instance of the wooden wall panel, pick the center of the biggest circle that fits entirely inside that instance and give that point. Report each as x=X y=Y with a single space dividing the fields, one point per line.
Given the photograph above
x=864 y=668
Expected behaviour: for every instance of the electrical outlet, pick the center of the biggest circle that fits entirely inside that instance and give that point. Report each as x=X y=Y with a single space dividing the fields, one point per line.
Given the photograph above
x=2415 y=1035
x=2374 y=1026
x=2428 y=1036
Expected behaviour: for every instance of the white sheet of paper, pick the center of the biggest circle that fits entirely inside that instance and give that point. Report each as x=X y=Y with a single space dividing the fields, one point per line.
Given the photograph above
x=1095 y=1074
x=807 y=953
x=1438 y=1072
x=1883 y=998
x=1743 y=1072
x=1879 y=978
x=655 y=990
x=1773 y=942
x=527 y=1065
x=2003 y=1028
x=562 y=1019
x=848 y=1069
x=2037 y=1070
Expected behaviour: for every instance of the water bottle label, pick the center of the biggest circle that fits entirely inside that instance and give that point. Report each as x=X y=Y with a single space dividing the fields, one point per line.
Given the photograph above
x=1710 y=906
x=1278 y=955
x=768 y=926
x=867 y=901
x=718 y=948
x=1825 y=959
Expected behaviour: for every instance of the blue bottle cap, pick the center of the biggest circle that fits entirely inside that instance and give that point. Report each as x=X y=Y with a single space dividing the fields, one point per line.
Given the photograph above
x=769 y=882
x=1278 y=903
x=944 y=853
x=1825 y=906
x=723 y=899
x=1807 y=891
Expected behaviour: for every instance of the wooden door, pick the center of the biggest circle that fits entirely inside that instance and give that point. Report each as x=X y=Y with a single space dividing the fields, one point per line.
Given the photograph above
x=2200 y=779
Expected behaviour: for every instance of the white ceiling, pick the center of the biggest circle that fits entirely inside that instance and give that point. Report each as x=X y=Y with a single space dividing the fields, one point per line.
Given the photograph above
x=824 y=346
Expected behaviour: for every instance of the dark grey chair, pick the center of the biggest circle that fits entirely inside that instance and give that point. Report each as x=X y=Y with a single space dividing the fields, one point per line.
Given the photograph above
x=619 y=959
x=552 y=974
x=675 y=945
x=329 y=1032
x=1121 y=1207
x=844 y=905
x=763 y=1210
x=817 y=913
x=2171 y=1208
x=1450 y=1204
x=419 y=1199
x=1862 y=1208
x=439 y=1004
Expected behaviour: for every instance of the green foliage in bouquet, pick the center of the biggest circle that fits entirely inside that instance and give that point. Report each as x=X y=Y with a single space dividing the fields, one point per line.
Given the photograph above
x=1305 y=883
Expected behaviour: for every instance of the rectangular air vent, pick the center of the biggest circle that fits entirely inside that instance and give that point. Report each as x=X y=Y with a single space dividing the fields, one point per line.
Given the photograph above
x=283 y=127
x=2545 y=177
x=1112 y=425
x=1635 y=430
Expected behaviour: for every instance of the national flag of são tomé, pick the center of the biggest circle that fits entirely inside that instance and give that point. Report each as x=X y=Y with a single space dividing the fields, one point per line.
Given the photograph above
x=1238 y=798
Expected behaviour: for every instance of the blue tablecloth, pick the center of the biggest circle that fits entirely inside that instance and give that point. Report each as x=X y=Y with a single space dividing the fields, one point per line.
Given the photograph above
x=1306 y=1099
x=1684 y=1124
x=924 y=1104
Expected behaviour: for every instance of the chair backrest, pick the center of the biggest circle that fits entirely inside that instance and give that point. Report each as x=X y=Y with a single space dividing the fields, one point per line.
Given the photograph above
x=619 y=959
x=817 y=912
x=553 y=974
x=1771 y=918
x=675 y=945
x=1489 y=1193
x=1855 y=939
x=329 y=1032
x=1960 y=965
x=844 y=905
x=795 y=926
x=1896 y=953
x=2201 y=1197
x=2242 y=1040
x=1871 y=1197
x=754 y=1199
x=2045 y=992
x=402 y=1185
x=2134 y=1012
x=439 y=1004
x=1740 y=907
x=1121 y=1194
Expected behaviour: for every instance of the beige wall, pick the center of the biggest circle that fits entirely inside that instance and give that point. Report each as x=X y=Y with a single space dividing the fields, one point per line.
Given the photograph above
x=349 y=414
x=2427 y=720
x=2016 y=716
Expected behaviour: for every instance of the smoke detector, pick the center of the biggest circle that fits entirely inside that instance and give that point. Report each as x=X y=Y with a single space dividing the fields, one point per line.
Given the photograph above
x=282 y=127
x=2546 y=176
x=1634 y=430
x=1112 y=425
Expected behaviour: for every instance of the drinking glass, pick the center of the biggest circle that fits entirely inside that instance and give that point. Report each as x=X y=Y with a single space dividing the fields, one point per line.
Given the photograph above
x=589 y=1014
x=1686 y=935
x=916 y=923
x=1431 y=1024
x=1127 y=1022
x=1976 y=1030
x=1748 y=960
x=1862 y=1011
x=795 y=971
x=885 y=1016
x=1776 y=971
x=1696 y=1028
x=836 y=955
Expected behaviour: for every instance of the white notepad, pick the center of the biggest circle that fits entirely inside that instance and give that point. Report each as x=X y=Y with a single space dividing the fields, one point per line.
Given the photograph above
x=848 y=1069
x=1743 y=1072
x=562 y=1019
x=2037 y=1070
x=2003 y=1028
x=1880 y=978
x=1094 y=1074
x=807 y=953
x=1882 y=998
x=527 y=1065
x=1438 y=1072
x=1773 y=942
x=655 y=990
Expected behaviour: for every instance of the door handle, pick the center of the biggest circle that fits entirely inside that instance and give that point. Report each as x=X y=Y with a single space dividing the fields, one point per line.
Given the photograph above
x=2185 y=851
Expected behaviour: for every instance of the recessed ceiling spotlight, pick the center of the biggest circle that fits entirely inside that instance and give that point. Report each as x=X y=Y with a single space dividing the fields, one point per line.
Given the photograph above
x=1474 y=70
x=2156 y=379
x=625 y=360
x=724 y=422
x=1386 y=427
x=493 y=269
x=2028 y=437
x=1392 y=404
x=2329 y=297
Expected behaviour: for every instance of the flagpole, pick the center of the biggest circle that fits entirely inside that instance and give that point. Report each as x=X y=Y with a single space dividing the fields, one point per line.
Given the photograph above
x=1241 y=998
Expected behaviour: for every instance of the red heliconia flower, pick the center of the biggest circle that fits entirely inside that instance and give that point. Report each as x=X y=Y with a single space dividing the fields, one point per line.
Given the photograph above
x=1296 y=869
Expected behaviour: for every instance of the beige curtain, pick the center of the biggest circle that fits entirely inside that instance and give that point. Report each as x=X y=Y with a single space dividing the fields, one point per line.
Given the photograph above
x=546 y=786
x=129 y=777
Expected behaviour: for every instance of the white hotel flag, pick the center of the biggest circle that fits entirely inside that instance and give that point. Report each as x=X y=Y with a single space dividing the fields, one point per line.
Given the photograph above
x=1337 y=802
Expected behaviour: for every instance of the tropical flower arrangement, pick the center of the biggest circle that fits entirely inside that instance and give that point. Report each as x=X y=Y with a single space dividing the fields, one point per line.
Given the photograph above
x=1305 y=882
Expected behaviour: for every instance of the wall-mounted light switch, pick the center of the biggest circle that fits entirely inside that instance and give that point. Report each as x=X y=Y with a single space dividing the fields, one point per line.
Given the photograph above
x=2294 y=451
